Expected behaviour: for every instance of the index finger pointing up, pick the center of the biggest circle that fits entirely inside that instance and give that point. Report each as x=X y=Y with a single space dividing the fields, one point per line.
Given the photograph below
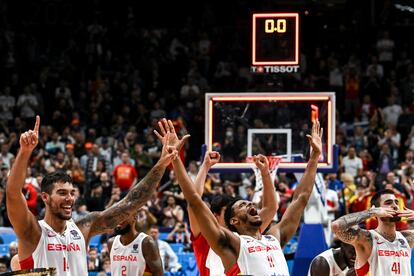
x=37 y=124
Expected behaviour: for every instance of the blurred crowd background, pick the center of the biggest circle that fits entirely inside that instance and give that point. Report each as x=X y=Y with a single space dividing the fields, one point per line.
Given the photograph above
x=102 y=74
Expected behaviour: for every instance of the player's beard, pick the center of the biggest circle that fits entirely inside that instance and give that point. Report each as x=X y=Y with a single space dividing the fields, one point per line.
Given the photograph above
x=122 y=231
x=55 y=210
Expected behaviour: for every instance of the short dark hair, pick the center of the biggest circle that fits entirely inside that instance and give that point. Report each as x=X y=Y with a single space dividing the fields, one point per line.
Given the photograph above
x=376 y=198
x=229 y=213
x=50 y=179
x=218 y=202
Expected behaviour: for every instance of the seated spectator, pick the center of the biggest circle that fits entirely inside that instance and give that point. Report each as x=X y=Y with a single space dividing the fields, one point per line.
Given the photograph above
x=179 y=234
x=94 y=263
x=168 y=257
x=172 y=213
x=145 y=219
x=3 y=266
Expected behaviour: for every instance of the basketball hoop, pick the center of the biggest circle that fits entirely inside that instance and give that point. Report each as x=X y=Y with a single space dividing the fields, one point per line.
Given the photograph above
x=273 y=166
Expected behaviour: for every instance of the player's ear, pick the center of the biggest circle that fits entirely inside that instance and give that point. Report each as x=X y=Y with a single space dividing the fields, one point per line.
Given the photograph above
x=45 y=196
x=234 y=221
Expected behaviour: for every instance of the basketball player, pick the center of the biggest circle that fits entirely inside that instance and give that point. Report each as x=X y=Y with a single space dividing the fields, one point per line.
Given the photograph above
x=58 y=241
x=383 y=251
x=334 y=262
x=133 y=253
x=250 y=252
x=207 y=260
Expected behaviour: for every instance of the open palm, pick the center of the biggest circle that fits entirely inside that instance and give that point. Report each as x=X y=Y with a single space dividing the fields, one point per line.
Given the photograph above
x=167 y=127
x=315 y=139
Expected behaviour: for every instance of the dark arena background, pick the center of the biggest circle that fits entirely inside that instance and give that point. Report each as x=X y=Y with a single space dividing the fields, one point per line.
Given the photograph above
x=101 y=74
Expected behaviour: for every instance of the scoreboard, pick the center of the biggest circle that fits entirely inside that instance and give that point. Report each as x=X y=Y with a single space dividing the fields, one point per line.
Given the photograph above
x=275 y=40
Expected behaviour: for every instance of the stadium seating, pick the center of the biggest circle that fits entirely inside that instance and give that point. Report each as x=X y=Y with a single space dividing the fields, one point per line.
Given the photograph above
x=96 y=242
x=4 y=250
x=8 y=237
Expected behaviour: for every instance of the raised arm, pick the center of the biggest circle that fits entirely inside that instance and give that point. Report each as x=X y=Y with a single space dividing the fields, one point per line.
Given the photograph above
x=152 y=257
x=102 y=222
x=289 y=223
x=210 y=158
x=221 y=240
x=347 y=230
x=24 y=222
x=269 y=202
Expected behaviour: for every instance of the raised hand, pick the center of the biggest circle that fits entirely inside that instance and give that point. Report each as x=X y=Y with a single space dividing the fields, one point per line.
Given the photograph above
x=211 y=158
x=168 y=153
x=315 y=139
x=29 y=139
x=261 y=162
x=407 y=213
x=168 y=127
x=381 y=212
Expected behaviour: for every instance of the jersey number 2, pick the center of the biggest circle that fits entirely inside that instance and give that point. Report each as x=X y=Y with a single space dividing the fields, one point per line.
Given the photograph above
x=396 y=268
x=123 y=270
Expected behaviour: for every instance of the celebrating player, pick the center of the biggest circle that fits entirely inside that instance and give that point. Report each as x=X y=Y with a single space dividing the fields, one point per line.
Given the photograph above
x=384 y=250
x=133 y=253
x=58 y=241
x=334 y=262
x=207 y=260
x=250 y=252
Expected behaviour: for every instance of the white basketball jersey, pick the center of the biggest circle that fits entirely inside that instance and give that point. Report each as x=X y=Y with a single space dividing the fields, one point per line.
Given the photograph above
x=214 y=264
x=128 y=260
x=65 y=251
x=334 y=268
x=261 y=257
x=387 y=258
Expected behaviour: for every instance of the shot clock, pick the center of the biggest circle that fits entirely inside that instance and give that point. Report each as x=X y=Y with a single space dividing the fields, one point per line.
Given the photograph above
x=275 y=42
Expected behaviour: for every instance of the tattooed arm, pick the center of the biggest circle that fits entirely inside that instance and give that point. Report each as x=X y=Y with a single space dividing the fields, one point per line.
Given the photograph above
x=409 y=235
x=347 y=230
x=102 y=222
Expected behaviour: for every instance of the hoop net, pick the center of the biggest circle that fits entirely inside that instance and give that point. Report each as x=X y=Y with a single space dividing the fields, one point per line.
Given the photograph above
x=273 y=166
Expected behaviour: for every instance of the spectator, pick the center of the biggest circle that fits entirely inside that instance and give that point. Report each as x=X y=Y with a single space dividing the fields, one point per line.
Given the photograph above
x=6 y=156
x=3 y=266
x=172 y=212
x=7 y=105
x=179 y=234
x=53 y=146
x=391 y=112
x=351 y=163
x=168 y=257
x=125 y=174
x=94 y=263
x=27 y=103
x=145 y=220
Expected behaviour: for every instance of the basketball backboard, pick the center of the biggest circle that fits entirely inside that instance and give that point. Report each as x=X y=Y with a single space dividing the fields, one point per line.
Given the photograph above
x=239 y=125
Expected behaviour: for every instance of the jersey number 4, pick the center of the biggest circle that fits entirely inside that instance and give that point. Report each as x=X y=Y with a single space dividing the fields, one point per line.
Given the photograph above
x=396 y=268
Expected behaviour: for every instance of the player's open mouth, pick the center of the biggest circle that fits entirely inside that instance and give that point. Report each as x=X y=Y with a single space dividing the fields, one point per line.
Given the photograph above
x=253 y=212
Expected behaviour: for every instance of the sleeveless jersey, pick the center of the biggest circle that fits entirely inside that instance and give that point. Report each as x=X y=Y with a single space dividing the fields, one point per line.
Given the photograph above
x=64 y=251
x=260 y=257
x=334 y=269
x=387 y=258
x=128 y=260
